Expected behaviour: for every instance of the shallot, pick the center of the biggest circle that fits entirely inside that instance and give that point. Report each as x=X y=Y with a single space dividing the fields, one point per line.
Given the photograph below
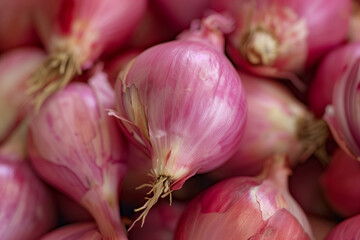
x=76 y=33
x=278 y=37
x=76 y=147
x=277 y=123
x=183 y=104
x=246 y=208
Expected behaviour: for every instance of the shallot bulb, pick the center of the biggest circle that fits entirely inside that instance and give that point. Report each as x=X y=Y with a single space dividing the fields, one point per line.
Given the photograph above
x=277 y=123
x=347 y=229
x=16 y=24
x=246 y=208
x=183 y=104
x=331 y=70
x=277 y=37
x=26 y=206
x=79 y=231
x=340 y=182
x=343 y=114
x=76 y=33
x=162 y=224
x=76 y=147
x=16 y=67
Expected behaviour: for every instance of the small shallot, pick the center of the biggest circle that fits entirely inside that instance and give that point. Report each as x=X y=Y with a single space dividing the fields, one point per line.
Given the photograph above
x=246 y=208
x=183 y=104
x=75 y=33
x=76 y=147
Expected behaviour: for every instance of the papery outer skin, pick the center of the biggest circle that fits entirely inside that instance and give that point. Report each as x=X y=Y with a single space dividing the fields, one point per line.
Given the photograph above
x=161 y=222
x=321 y=36
x=118 y=63
x=271 y=126
x=340 y=181
x=242 y=208
x=305 y=187
x=179 y=14
x=347 y=229
x=16 y=24
x=76 y=147
x=26 y=206
x=87 y=27
x=194 y=107
x=79 y=231
x=16 y=66
x=343 y=114
x=331 y=70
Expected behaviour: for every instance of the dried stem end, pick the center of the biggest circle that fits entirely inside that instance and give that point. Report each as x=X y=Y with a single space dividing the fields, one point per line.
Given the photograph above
x=55 y=73
x=313 y=134
x=260 y=47
x=159 y=188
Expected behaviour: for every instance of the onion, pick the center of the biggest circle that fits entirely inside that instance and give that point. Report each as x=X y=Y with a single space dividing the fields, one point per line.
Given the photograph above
x=305 y=186
x=267 y=31
x=347 y=229
x=162 y=220
x=330 y=71
x=16 y=24
x=179 y=14
x=277 y=123
x=343 y=115
x=246 y=208
x=183 y=104
x=76 y=33
x=77 y=148
x=27 y=210
x=340 y=181
x=79 y=231
x=16 y=66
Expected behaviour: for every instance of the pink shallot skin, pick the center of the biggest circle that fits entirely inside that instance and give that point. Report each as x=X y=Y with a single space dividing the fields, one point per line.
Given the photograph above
x=17 y=24
x=76 y=147
x=16 y=67
x=87 y=27
x=78 y=231
x=26 y=206
x=245 y=208
x=272 y=125
x=347 y=229
x=278 y=26
x=187 y=108
x=331 y=70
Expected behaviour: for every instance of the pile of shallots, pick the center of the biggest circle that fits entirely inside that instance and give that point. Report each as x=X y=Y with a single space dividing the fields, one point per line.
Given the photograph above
x=179 y=119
